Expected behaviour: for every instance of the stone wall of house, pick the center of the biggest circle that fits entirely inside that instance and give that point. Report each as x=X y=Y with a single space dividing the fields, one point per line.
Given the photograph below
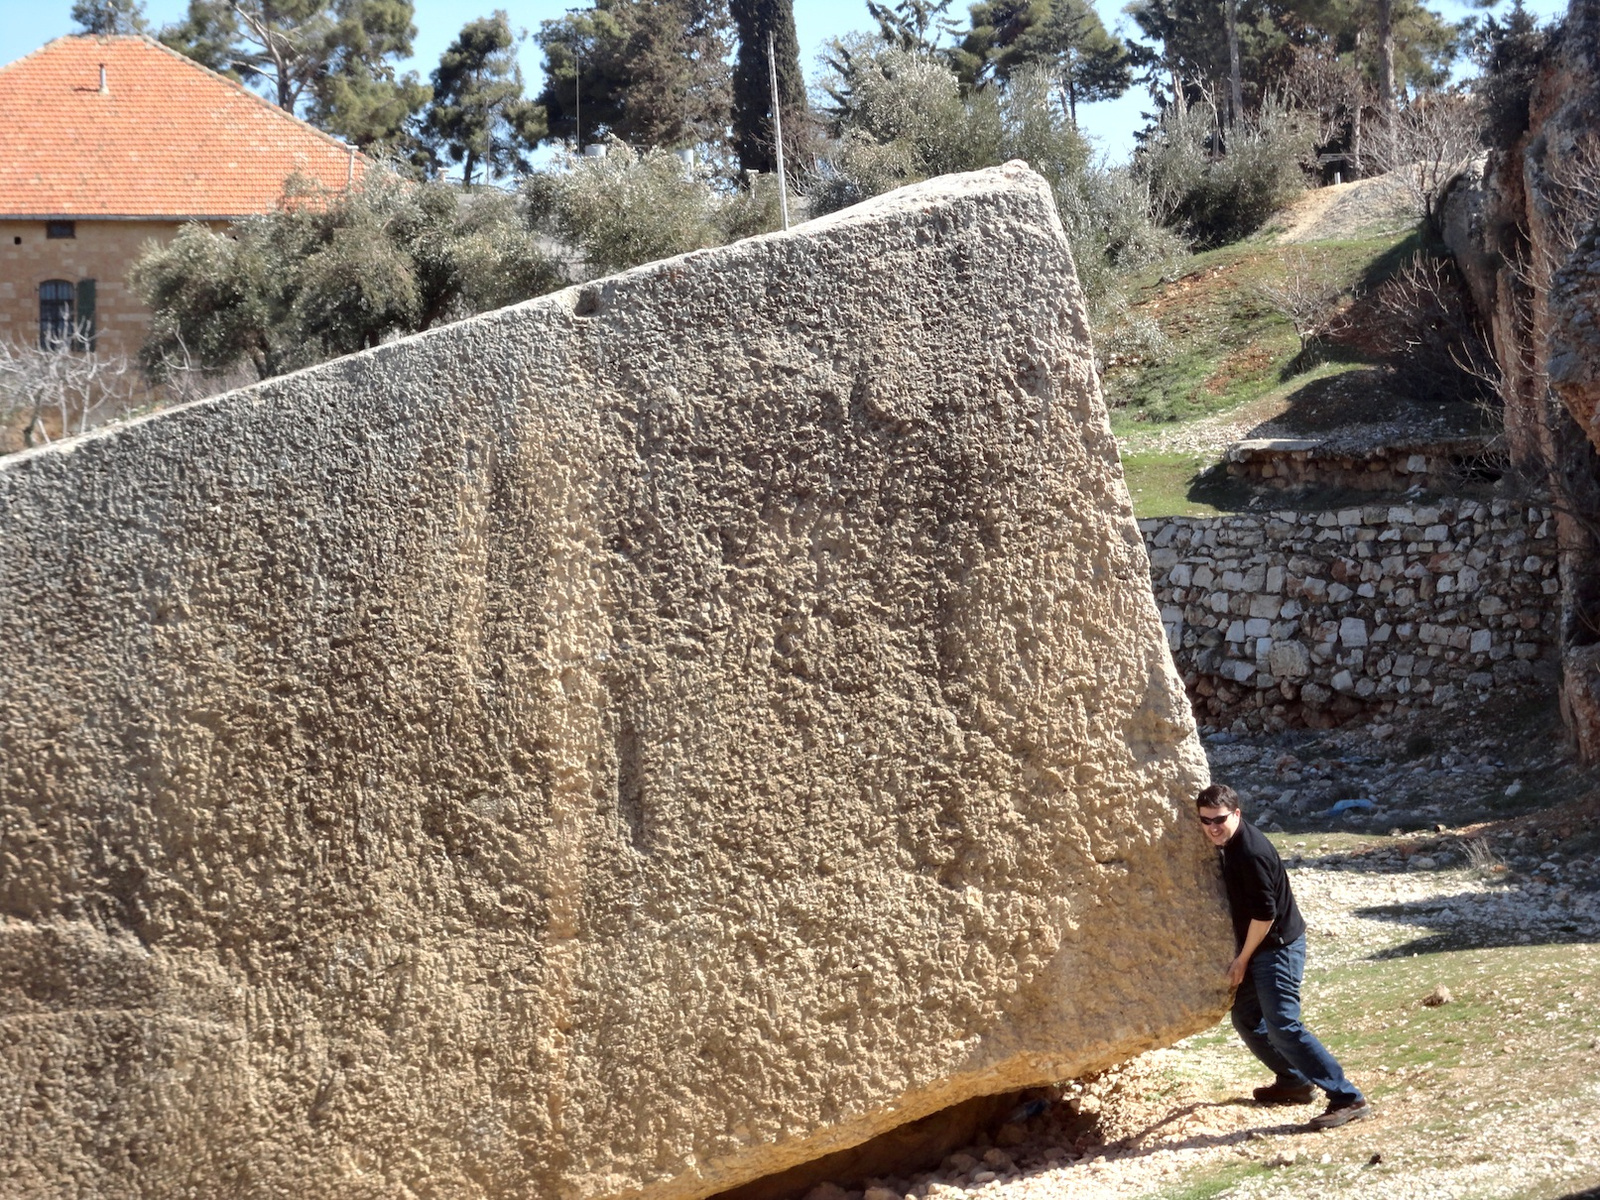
x=100 y=250
x=1315 y=618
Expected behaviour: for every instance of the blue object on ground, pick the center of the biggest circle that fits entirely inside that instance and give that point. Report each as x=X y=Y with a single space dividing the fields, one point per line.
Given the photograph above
x=1027 y=1111
x=1345 y=806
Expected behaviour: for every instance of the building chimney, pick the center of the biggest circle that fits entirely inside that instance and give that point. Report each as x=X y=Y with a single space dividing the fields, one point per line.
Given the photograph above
x=104 y=90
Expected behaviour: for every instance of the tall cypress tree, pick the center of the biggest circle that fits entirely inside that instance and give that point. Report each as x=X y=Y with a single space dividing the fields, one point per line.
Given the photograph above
x=752 y=88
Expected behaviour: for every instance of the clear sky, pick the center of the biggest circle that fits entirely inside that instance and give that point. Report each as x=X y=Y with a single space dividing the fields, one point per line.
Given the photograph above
x=28 y=24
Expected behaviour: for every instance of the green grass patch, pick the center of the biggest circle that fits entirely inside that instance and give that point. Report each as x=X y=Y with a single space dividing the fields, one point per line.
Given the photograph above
x=1515 y=1009
x=1225 y=344
x=1513 y=1047
x=1171 y=485
x=1212 y=1183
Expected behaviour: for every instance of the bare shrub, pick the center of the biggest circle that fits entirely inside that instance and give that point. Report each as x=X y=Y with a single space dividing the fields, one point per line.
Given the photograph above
x=1306 y=296
x=1570 y=193
x=1133 y=341
x=53 y=393
x=1330 y=90
x=180 y=379
x=1481 y=857
x=1428 y=143
x=1422 y=322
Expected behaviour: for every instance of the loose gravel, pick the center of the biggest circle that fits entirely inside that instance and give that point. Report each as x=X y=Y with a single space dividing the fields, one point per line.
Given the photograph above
x=1175 y=1117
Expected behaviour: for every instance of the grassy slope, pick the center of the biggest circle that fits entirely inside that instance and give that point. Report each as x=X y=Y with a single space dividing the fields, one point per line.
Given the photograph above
x=1228 y=350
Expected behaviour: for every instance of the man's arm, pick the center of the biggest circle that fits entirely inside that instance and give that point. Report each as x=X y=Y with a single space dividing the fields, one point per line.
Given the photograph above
x=1252 y=940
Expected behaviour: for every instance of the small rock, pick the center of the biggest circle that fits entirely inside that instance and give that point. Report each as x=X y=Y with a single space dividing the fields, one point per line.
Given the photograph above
x=984 y=1177
x=1284 y=1158
x=1516 y=786
x=880 y=1193
x=999 y=1160
x=1439 y=995
x=960 y=1162
x=1422 y=862
x=1010 y=1134
x=1325 y=1159
x=827 y=1191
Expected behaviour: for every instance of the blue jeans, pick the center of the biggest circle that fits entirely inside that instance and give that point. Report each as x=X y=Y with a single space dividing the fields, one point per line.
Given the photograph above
x=1266 y=1012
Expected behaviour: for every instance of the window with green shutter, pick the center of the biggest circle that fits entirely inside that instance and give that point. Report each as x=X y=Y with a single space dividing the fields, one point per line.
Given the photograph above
x=55 y=314
x=84 y=330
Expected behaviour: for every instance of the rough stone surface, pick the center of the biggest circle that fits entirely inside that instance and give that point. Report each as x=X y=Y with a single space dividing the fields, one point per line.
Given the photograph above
x=1523 y=229
x=622 y=745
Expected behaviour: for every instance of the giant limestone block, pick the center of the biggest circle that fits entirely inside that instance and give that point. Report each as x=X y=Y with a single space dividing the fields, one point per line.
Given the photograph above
x=622 y=745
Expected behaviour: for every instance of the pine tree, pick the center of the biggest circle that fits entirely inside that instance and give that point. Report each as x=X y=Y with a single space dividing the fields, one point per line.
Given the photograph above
x=1509 y=53
x=994 y=41
x=651 y=72
x=359 y=97
x=755 y=21
x=914 y=25
x=479 y=115
x=110 y=16
x=1194 y=59
x=331 y=61
x=1072 y=43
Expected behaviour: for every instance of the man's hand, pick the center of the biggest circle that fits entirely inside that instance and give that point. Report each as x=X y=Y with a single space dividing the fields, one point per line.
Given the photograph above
x=1257 y=934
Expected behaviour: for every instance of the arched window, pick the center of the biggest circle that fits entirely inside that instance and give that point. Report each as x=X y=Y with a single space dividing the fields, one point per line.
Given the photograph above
x=55 y=314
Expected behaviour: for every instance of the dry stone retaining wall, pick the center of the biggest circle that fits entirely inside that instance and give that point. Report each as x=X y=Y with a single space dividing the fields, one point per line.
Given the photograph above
x=1313 y=618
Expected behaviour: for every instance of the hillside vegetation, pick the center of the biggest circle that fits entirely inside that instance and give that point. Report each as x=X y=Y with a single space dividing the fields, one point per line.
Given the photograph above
x=1290 y=332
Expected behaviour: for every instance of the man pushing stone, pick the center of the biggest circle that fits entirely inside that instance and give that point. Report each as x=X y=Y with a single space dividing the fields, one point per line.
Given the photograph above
x=1270 y=936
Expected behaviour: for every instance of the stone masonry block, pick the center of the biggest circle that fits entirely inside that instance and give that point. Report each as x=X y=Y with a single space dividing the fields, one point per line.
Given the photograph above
x=626 y=744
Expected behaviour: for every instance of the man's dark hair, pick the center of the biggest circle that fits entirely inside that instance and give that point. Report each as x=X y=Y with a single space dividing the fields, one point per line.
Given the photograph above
x=1218 y=795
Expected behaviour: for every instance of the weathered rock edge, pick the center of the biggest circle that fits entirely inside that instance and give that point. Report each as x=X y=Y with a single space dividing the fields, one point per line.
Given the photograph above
x=622 y=745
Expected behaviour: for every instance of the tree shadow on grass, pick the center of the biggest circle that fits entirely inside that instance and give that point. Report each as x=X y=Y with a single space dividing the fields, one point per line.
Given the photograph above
x=1440 y=914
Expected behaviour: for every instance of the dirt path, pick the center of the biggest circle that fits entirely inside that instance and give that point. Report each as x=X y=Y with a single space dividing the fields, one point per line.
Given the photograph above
x=1210 y=434
x=1347 y=210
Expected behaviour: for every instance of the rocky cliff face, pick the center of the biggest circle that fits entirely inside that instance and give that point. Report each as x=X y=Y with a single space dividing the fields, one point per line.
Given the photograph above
x=623 y=745
x=1524 y=232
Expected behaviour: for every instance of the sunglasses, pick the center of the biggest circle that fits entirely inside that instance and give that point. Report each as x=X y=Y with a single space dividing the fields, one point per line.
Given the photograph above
x=1222 y=820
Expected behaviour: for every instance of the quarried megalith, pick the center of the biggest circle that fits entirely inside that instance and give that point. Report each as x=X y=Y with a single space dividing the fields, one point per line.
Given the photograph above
x=622 y=745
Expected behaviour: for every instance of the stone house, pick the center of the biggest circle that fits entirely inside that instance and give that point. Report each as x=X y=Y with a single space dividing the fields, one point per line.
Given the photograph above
x=109 y=143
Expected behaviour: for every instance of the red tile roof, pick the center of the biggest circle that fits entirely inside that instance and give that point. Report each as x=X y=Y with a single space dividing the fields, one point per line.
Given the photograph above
x=167 y=138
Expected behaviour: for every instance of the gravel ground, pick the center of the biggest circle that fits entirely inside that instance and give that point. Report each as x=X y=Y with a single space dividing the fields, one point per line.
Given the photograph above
x=1210 y=434
x=1157 y=1125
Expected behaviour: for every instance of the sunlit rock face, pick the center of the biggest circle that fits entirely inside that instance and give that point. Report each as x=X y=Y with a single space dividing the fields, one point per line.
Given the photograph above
x=622 y=745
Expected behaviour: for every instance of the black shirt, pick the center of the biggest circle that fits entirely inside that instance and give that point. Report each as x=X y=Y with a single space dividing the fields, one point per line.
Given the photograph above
x=1258 y=888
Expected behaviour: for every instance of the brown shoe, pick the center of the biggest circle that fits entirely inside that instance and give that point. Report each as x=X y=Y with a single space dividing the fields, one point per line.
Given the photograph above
x=1342 y=1114
x=1277 y=1093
